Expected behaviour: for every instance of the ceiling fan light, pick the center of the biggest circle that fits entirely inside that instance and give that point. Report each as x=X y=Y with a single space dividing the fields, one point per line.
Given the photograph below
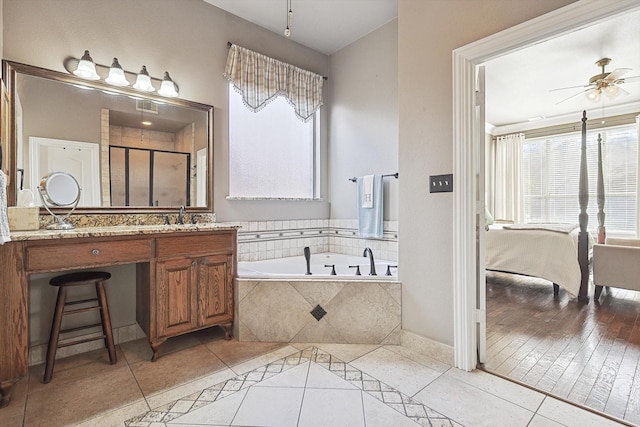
x=612 y=91
x=86 y=68
x=593 y=95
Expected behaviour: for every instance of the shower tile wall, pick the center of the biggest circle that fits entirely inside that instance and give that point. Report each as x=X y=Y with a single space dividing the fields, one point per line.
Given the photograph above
x=260 y=240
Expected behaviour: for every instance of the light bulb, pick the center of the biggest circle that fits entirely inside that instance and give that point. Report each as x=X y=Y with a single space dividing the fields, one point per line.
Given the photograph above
x=290 y=17
x=287 y=32
x=611 y=91
x=593 y=95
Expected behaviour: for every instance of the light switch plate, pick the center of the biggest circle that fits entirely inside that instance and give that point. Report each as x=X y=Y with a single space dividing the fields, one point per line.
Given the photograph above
x=441 y=183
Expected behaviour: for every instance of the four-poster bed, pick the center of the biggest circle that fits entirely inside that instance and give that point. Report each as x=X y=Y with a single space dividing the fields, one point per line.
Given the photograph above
x=555 y=252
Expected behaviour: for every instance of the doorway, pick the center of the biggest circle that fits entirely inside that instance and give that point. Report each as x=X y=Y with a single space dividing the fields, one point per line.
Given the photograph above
x=466 y=141
x=467 y=286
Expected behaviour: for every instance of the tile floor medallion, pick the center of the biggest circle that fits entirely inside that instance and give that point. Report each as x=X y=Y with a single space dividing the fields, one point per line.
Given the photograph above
x=273 y=394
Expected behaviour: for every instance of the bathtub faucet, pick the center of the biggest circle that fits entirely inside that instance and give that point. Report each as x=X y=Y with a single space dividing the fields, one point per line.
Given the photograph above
x=372 y=263
x=181 y=215
x=307 y=256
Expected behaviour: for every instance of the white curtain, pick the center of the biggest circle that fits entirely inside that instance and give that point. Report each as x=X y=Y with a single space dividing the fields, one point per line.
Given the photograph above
x=261 y=79
x=507 y=192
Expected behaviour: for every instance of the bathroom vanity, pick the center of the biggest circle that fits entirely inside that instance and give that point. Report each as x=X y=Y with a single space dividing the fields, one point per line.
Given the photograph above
x=184 y=280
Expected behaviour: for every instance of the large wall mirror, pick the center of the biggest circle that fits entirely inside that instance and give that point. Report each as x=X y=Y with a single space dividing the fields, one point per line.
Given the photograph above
x=128 y=150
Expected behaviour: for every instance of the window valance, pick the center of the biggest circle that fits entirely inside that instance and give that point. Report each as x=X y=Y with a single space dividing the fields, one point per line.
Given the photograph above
x=260 y=79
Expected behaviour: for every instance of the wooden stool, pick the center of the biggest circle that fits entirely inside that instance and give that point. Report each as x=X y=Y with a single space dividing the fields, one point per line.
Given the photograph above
x=96 y=278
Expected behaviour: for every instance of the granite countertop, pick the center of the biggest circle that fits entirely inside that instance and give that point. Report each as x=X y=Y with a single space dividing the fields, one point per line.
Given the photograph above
x=118 y=230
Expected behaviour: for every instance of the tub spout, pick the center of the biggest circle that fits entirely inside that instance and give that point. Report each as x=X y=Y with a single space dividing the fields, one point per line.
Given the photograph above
x=307 y=257
x=181 y=214
x=372 y=263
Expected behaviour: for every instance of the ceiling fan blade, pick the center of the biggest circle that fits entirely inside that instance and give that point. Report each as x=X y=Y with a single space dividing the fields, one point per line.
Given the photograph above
x=616 y=74
x=569 y=87
x=624 y=92
x=631 y=79
x=573 y=96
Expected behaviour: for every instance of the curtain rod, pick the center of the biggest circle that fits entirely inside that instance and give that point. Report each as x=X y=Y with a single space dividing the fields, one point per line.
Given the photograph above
x=395 y=175
x=229 y=44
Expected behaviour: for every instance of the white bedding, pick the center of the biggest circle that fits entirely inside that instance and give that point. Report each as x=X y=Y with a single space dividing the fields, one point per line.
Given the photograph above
x=540 y=253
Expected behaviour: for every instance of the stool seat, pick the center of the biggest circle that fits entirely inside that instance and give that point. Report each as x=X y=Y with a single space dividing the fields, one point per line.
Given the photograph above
x=62 y=282
x=79 y=278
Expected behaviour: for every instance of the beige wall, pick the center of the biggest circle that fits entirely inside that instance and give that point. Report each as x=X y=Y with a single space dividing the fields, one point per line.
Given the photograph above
x=428 y=32
x=186 y=37
x=363 y=119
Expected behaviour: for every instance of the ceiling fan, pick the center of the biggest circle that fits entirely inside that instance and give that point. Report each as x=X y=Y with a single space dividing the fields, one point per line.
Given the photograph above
x=604 y=82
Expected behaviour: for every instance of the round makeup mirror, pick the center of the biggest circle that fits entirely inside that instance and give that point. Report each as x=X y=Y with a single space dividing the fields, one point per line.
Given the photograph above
x=59 y=189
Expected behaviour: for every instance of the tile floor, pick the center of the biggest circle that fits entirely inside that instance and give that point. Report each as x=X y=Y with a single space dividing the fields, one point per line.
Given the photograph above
x=203 y=380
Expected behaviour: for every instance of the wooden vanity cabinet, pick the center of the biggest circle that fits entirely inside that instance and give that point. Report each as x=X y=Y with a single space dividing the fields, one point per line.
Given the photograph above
x=193 y=286
x=184 y=282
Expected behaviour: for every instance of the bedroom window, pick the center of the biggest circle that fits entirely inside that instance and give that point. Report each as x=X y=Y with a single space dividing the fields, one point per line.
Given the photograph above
x=272 y=153
x=550 y=176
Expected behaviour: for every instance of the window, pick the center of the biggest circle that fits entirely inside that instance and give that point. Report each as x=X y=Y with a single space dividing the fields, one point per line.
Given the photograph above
x=272 y=153
x=550 y=178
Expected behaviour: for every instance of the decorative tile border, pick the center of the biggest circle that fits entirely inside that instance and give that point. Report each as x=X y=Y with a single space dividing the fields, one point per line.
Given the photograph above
x=391 y=397
x=260 y=240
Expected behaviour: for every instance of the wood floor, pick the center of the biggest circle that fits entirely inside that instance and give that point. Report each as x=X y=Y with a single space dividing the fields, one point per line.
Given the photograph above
x=586 y=353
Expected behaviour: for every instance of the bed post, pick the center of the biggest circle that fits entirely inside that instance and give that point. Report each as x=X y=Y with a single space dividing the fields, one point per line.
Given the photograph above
x=602 y=231
x=583 y=218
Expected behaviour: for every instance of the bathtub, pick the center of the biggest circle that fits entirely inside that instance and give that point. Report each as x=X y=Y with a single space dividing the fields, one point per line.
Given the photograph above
x=277 y=302
x=289 y=267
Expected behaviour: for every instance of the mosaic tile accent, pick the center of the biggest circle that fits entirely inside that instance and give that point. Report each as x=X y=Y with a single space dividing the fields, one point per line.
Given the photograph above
x=405 y=405
x=318 y=312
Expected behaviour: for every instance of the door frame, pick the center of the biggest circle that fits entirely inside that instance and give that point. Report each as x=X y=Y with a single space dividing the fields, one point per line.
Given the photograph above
x=37 y=143
x=465 y=210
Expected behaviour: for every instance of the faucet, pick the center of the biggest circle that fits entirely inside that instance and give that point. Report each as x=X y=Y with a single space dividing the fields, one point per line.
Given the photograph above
x=181 y=215
x=307 y=256
x=372 y=264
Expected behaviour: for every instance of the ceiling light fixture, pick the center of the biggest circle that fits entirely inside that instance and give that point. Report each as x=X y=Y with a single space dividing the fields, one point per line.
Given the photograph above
x=86 y=69
x=287 y=30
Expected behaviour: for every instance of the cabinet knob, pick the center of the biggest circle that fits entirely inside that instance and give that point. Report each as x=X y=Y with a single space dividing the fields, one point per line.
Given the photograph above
x=194 y=263
x=95 y=251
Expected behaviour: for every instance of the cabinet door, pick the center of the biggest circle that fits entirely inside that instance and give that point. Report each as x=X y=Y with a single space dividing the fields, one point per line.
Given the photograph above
x=176 y=296
x=215 y=290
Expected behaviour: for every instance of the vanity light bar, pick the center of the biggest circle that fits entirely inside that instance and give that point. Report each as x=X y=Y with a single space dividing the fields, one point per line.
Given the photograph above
x=85 y=68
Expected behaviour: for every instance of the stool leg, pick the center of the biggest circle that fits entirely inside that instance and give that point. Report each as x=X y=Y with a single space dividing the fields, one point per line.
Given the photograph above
x=56 y=324
x=106 y=322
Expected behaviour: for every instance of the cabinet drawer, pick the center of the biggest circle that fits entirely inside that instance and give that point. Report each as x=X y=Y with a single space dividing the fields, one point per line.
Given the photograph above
x=59 y=256
x=220 y=242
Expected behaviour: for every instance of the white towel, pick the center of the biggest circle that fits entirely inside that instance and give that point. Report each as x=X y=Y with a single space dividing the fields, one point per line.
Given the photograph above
x=5 y=234
x=367 y=191
x=370 y=220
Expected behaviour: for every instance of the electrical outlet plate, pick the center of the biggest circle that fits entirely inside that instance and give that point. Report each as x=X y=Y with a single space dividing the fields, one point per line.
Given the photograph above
x=441 y=183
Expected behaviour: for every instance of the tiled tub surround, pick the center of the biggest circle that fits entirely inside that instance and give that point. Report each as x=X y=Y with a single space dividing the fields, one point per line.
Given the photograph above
x=319 y=310
x=260 y=240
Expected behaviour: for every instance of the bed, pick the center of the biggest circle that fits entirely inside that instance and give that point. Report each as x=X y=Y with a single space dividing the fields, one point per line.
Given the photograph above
x=555 y=252
x=547 y=251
